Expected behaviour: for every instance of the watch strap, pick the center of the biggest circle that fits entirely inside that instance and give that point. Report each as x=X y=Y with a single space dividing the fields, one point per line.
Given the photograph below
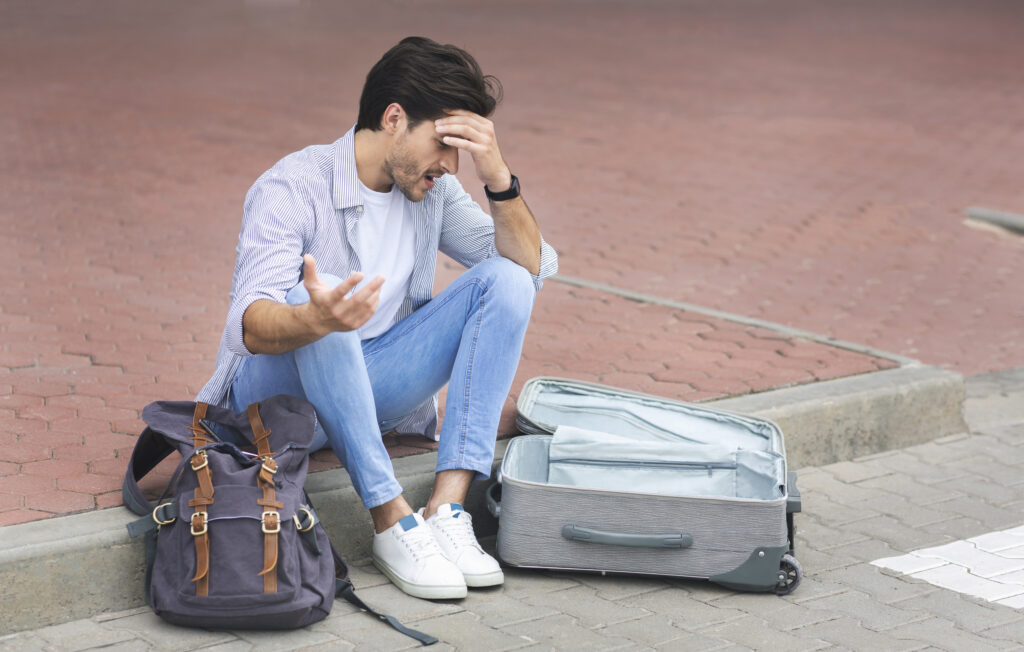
x=511 y=193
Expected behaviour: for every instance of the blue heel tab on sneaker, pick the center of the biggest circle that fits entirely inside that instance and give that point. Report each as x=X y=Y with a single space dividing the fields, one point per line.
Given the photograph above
x=456 y=509
x=408 y=522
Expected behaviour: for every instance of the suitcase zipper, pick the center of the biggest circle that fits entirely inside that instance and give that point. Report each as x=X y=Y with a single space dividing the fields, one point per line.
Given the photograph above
x=710 y=466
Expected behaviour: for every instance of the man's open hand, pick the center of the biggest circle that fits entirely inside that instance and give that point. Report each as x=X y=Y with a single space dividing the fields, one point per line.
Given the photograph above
x=329 y=310
x=475 y=134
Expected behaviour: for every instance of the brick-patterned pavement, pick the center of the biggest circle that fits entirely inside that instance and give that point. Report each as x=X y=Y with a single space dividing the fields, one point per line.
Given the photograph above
x=798 y=162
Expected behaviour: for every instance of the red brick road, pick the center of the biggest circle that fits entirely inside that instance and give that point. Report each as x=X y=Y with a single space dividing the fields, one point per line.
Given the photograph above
x=801 y=162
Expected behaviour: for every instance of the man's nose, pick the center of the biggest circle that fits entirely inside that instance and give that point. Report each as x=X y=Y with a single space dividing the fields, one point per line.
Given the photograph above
x=450 y=161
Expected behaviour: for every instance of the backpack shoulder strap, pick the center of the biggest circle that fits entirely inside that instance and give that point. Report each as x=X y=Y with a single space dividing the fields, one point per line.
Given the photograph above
x=343 y=589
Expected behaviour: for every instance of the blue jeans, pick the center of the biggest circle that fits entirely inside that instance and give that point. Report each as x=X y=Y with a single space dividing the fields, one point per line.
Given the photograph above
x=469 y=336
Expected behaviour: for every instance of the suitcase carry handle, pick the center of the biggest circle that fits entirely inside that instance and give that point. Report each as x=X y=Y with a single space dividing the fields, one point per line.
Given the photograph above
x=668 y=540
x=493 y=496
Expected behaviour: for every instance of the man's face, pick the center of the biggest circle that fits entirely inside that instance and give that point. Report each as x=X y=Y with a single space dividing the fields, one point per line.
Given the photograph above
x=417 y=157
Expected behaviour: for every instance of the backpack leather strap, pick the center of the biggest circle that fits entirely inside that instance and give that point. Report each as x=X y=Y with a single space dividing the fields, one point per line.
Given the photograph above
x=271 y=520
x=261 y=436
x=201 y=499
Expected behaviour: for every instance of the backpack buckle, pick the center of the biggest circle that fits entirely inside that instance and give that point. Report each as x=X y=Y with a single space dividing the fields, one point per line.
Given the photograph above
x=270 y=464
x=156 y=515
x=309 y=519
x=199 y=529
x=203 y=461
x=271 y=522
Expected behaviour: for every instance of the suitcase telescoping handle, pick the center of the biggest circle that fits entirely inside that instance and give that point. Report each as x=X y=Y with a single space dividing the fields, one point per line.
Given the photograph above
x=667 y=540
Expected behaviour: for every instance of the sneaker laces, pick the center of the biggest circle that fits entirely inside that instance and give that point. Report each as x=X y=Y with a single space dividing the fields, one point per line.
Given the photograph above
x=420 y=542
x=459 y=530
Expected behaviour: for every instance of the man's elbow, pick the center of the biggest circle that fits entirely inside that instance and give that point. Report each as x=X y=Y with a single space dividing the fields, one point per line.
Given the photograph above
x=534 y=266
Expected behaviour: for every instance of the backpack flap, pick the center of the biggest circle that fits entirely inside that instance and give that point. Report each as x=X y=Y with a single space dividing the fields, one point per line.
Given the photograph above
x=289 y=420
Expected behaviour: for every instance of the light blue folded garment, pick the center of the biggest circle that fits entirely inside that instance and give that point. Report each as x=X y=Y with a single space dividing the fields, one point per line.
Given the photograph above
x=642 y=462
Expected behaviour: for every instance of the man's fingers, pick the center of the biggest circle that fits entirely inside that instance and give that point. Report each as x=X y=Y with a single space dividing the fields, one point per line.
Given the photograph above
x=363 y=304
x=372 y=301
x=461 y=115
x=466 y=119
x=370 y=288
x=466 y=133
x=314 y=286
x=466 y=129
x=343 y=288
x=467 y=145
x=309 y=270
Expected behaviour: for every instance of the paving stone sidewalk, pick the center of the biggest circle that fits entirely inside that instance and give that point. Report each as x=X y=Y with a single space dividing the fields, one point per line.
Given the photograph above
x=131 y=134
x=855 y=512
x=818 y=163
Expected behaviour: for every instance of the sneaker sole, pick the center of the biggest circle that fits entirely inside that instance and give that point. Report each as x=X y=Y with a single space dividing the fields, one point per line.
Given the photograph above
x=428 y=592
x=486 y=579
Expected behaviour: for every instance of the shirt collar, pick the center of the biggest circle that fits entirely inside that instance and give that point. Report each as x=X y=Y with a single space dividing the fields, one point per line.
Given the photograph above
x=346 y=192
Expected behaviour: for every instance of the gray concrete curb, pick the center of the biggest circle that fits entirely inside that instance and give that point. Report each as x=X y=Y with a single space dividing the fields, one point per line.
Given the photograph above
x=850 y=417
x=1008 y=221
x=74 y=567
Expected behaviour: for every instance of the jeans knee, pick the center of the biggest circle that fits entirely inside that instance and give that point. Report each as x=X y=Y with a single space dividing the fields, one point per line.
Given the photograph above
x=298 y=294
x=509 y=283
x=338 y=343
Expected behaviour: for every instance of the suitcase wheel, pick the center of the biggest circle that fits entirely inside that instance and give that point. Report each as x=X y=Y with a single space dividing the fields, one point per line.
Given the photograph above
x=790 y=575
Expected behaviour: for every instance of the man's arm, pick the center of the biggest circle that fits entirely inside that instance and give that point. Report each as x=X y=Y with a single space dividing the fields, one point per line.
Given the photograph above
x=516 y=235
x=272 y=327
x=515 y=232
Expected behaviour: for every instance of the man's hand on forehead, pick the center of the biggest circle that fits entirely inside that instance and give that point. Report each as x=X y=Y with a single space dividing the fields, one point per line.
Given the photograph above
x=475 y=134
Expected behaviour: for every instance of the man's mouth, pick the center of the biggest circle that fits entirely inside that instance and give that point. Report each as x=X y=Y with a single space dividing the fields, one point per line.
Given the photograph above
x=430 y=179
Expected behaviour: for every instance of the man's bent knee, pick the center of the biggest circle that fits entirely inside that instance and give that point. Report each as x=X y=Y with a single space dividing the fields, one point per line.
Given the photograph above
x=508 y=277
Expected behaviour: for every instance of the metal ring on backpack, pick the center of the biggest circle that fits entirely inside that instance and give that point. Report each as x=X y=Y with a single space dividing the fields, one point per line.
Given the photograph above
x=298 y=523
x=157 y=519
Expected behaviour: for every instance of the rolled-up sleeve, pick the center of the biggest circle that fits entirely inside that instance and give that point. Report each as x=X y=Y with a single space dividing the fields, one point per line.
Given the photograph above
x=467 y=233
x=277 y=219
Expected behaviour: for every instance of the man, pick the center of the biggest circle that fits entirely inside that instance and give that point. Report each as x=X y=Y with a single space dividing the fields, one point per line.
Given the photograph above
x=371 y=351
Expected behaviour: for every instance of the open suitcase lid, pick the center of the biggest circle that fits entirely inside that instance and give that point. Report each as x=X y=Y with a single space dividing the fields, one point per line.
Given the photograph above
x=546 y=403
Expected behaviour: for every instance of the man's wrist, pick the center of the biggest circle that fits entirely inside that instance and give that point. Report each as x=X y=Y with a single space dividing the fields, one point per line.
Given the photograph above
x=310 y=319
x=501 y=184
x=511 y=191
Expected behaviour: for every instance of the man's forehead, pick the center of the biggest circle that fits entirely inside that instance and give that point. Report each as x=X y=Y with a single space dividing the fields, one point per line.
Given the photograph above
x=427 y=124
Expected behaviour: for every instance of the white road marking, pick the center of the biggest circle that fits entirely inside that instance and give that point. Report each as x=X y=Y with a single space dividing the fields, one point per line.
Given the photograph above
x=989 y=566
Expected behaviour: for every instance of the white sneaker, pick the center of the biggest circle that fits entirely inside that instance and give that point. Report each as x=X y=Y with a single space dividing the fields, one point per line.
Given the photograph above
x=453 y=529
x=408 y=554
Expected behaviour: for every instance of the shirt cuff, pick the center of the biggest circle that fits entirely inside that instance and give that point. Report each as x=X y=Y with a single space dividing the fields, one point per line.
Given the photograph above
x=548 y=264
x=234 y=336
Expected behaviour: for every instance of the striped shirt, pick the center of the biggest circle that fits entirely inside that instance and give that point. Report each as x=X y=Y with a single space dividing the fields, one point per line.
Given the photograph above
x=310 y=202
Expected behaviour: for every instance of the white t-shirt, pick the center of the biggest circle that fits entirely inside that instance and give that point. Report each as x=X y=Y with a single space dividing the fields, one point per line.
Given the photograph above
x=385 y=240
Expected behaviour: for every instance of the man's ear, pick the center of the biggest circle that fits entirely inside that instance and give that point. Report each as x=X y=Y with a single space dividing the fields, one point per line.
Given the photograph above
x=394 y=119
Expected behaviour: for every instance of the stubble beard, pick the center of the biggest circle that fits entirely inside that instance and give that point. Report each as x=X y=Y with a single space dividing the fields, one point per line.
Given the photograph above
x=403 y=170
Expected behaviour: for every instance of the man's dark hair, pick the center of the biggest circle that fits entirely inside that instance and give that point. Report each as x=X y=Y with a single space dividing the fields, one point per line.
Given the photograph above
x=426 y=79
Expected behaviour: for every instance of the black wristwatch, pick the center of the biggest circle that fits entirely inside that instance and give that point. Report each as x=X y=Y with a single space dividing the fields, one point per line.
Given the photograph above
x=511 y=193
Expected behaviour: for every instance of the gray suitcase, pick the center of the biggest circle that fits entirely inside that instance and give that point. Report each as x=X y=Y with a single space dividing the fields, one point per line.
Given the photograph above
x=634 y=483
